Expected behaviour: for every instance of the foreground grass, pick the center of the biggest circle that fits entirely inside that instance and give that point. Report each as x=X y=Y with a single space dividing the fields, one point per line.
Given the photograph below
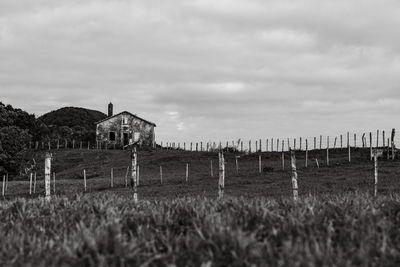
x=109 y=230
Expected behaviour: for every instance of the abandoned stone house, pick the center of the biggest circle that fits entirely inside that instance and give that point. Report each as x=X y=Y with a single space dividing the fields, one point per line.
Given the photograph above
x=120 y=128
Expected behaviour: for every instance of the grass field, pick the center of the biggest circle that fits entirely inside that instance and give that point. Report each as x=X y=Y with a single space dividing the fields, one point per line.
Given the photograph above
x=107 y=229
x=339 y=177
x=336 y=221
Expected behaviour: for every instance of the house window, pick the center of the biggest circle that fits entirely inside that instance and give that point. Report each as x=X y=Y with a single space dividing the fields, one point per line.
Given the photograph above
x=124 y=120
x=112 y=136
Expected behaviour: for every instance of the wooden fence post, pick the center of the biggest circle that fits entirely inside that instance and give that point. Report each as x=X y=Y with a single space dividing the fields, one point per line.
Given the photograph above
x=187 y=172
x=376 y=174
x=134 y=173
x=315 y=143
x=84 y=180
x=249 y=146
x=126 y=176
x=355 y=140
x=34 y=184
x=306 y=153
x=370 y=145
x=47 y=174
x=294 y=175
x=237 y=164
x=349 y=148
x=267 y=145
x=377 y=138
x=161 y=175
x=383 y=139
x=4 y=186
x=341 y=141
x=138 y=175
x=259 y=164
x=283 y=161
x=393 y=145
x=294 y=144
x=277 y=145
x=327 y=156
x=301 y=142
x=30 y=184
x=320 y=142
x=112 y=178
x=221 y=182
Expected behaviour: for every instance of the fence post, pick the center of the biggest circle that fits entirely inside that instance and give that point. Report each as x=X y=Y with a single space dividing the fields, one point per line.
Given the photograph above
x=237 y=164
x=283 y=161
x=34 y=184
x=392 y=141
x=306 y=153
x=211 y=169
x=47 y=174
x=301 y=142
x=187 y=172
x=377 y=138
x=349 y=148
x=294 y=175
x=267 y=145
x=134 y=172
x=277 y=145
x=249 y=146
x=54 y=183
x=126 y=176
x=383 y=139
x=138 y=175
x=259 y=164
x=341 y=141
x=4 y=186
x=221 y=182
x=327 y=156
x=30 y=184
x=161 y=175
x=376 y=174
x=317 y=163
x=84 y=180
x=370 y=145
x=112 y=178
x=272 y=144
x=315 y=143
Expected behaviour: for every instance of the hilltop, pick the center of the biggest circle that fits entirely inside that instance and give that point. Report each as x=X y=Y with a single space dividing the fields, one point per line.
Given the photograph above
x=73 y=116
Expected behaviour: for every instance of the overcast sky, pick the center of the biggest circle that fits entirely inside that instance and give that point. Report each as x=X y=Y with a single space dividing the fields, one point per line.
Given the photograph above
x=208 y=69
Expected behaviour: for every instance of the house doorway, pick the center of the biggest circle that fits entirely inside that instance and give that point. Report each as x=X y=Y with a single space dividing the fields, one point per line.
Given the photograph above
x=126 y=139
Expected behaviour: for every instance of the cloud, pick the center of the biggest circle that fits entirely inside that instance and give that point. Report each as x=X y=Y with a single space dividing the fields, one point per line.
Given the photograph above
x=208 y=69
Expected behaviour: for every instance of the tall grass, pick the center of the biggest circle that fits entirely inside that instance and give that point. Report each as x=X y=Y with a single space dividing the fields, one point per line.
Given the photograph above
x=106 y=229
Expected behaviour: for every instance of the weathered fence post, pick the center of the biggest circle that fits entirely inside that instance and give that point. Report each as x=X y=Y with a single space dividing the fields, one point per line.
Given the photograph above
x=277 y=145
x=47 y=174
x=237 y=164
x=327 y=156
x=187 y=172
x=249 y=146
x=84 y=180
x=134 y=172
x=4 y=186
x=112 y=178
x=301 y=142
x=355 y=140
x=370 y=145
x=376 y=173
x=341 y=141
x=221 y=182
x=259 y=164
x=30 y=184
x=315 y=143
x=126 y=176
x=294 y=175
x=320 y=142
x=383 y=139
x=272 y=144
x=349 y=148
x=306 y=153
x=138 y=175
x=283 y=161
x=161 y=175
x=34 y=184
x=393 y=145
x=377 y=138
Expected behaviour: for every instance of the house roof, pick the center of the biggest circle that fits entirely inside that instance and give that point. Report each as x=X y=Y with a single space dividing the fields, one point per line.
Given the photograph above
x=126 y=112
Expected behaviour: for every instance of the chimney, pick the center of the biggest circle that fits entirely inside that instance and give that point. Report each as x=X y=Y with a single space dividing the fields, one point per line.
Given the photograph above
x=110 y=109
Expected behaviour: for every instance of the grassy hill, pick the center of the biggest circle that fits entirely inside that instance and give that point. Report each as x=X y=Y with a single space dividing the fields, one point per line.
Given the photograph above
x=72 y=123
x=72 y=116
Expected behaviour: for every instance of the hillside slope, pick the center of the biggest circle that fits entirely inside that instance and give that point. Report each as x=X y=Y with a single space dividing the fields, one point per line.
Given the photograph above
x=72 y=116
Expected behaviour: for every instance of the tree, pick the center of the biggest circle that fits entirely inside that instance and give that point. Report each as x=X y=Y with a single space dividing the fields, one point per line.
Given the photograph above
x=13 y=146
